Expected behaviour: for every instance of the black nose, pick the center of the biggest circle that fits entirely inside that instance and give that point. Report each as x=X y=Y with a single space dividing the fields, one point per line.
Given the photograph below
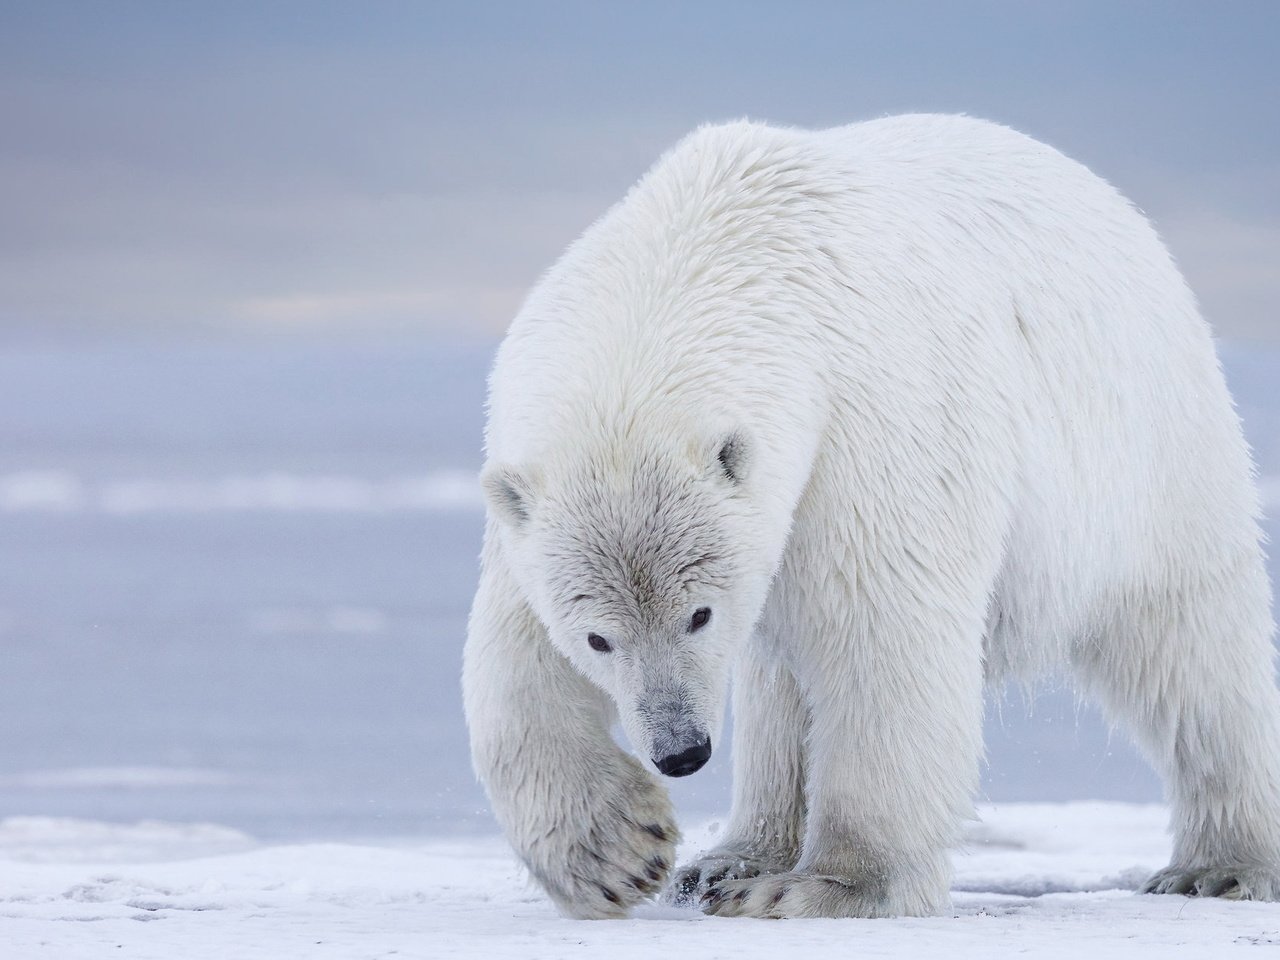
x=686 y=761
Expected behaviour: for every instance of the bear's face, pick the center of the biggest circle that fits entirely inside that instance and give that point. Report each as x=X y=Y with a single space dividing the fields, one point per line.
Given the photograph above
x=634 y=566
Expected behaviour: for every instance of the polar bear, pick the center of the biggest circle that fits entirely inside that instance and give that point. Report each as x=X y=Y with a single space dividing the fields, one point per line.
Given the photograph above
x=865 y=416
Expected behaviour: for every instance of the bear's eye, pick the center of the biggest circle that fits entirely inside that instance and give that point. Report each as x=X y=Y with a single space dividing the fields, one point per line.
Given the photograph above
x=699 y=619
x=598 y=643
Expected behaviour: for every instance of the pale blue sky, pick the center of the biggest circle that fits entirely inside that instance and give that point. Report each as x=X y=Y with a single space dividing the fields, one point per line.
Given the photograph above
x=414 y=166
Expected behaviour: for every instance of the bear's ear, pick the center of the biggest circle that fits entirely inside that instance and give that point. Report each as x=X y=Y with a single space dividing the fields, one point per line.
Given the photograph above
x=733 y=456
x=510 y=494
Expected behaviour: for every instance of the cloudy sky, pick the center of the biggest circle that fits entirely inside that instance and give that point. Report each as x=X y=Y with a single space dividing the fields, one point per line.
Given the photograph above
x=392 y=167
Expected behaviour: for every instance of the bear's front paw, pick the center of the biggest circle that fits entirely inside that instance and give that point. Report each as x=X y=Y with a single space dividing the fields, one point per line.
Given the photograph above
x=1230 y=882
x=692 y=881
x=792 y=894
x=619 y=854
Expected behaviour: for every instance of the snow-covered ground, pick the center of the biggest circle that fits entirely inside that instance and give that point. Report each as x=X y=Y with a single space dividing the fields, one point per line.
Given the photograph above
x=1041 y=880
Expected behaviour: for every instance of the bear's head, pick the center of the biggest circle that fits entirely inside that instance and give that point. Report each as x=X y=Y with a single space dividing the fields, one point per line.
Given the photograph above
x=638 y=561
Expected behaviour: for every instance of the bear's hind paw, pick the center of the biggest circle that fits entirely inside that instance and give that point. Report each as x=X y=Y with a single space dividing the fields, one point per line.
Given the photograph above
x=1228 y=883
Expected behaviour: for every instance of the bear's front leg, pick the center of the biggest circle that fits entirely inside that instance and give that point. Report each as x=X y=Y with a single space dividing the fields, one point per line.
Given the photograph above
x=592 y=826
x=763 y=834
x=892 y=760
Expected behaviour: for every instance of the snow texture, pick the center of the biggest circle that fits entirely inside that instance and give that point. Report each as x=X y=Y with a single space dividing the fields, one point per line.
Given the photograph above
x=1044 y=880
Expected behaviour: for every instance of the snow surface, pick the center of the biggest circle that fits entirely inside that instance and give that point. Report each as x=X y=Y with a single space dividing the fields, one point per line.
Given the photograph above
x=1040 y=880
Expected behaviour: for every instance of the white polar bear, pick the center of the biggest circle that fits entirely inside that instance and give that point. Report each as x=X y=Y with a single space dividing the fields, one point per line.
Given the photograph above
x=867 y=414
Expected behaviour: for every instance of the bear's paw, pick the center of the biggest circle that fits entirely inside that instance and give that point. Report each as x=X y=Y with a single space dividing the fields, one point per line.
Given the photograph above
x=781 y=895
x=693 y=881
x=618 y=857
x=1238 y=882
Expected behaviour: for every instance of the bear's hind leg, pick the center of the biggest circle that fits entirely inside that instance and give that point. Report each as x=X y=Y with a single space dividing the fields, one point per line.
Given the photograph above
x=764 y=831
x=1190 y=672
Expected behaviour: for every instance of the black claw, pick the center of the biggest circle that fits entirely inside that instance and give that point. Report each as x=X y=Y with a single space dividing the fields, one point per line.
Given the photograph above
x=655 y=831
x=659 y=864
x=740 y=896
x=777 y=897
x=1220 y=887
x=610 y=895
x=689 y=883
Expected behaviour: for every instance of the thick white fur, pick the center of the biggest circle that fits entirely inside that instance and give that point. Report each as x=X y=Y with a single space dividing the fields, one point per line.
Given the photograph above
x=973 y=424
